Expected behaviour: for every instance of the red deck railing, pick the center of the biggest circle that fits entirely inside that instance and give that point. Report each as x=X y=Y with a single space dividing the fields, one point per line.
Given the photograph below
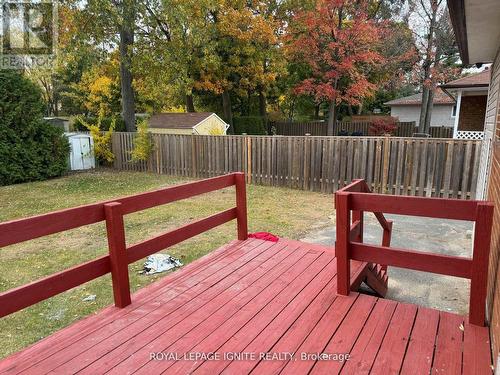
x=357 y=198
x=120 y=256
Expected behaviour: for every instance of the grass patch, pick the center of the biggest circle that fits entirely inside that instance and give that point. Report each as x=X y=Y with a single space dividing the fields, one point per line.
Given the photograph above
x=287 y=213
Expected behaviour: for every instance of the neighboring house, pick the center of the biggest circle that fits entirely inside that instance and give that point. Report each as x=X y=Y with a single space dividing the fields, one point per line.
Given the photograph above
x=471 y=94
x=477 y=31
x=204 y=123
x=408 y=109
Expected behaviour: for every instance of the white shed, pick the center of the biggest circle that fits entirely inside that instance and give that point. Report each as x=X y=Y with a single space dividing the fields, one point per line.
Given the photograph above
x=81 y=155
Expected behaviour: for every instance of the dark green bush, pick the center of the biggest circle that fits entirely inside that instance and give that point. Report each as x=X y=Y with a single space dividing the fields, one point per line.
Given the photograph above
x=252 y=125
x=30 y=148
x=105 y=123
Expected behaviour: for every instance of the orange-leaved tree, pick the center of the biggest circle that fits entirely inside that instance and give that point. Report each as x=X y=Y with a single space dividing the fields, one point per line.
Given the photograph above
x=338 y=42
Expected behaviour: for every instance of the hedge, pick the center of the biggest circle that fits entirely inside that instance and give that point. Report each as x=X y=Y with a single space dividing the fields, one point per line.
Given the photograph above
x=30 y=148
x=251 y=125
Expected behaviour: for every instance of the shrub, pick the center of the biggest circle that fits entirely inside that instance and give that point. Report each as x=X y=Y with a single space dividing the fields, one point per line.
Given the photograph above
x=251 y=125
x=383 y=126
x=30 y=148
x=80 y=121
x=102 y=139
x=143 y=145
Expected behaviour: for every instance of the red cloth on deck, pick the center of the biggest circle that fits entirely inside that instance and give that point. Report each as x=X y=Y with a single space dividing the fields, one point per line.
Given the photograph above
x=266 y=236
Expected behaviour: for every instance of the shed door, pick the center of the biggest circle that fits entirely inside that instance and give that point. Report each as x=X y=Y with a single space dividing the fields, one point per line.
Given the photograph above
x=76 y=149
x=85 y=153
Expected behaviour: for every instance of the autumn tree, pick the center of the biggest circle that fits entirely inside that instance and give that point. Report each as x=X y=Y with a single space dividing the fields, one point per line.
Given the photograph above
x=338 y=42
x=242 y=38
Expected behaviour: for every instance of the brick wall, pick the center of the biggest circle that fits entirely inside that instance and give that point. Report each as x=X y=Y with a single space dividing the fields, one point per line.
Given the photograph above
x=472 y=113
x=492 y=136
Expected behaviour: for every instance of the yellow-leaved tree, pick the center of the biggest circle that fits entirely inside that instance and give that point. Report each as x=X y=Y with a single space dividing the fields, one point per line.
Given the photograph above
x=102 y=139
x=143 y=144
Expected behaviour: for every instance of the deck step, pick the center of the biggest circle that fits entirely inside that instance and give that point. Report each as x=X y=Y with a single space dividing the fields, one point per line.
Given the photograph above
x=376 y=278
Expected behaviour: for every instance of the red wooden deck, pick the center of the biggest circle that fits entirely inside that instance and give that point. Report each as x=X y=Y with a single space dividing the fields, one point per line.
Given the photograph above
x=258 y=306
x=254 y=298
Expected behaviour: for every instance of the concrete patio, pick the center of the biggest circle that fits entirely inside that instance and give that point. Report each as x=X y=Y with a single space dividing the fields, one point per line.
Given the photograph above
x=450 y=237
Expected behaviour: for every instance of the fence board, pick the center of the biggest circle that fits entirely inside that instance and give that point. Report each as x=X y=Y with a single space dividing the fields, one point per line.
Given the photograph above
x=402 y=166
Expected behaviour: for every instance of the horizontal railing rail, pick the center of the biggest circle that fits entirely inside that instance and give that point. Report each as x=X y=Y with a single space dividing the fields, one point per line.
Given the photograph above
x=356 y=199
x=120 y=256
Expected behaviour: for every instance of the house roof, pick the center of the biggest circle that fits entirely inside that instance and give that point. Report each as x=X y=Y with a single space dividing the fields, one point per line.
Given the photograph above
x=440 y=98
x=476 y=27
x=173 y=120
x=481 y=79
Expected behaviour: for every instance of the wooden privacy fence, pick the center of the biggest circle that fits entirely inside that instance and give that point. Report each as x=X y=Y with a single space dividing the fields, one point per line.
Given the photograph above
x=401 y=166
x=319 y=128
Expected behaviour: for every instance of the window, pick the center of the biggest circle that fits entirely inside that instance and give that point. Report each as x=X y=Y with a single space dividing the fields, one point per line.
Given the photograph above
x=454 y=111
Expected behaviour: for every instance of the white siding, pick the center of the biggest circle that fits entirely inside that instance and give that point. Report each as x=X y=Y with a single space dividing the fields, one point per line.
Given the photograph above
x=441 y=114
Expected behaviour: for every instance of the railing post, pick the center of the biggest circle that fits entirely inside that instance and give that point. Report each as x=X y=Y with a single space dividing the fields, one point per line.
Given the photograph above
x=480 y=259
x=343 y=220
x=117 y=253
x=241 y=206
x=386 y=239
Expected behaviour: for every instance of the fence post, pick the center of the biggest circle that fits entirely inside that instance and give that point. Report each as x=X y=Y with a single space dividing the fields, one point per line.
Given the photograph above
x=241 y=206
x=480 y=260
x=342 y=244
x=117 y=253
x=248 y=142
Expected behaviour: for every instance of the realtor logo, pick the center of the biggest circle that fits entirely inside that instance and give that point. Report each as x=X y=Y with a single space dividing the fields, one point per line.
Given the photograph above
x=28 y=33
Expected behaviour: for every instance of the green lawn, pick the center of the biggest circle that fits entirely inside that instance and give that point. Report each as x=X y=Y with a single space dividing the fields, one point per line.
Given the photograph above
x=287 y=213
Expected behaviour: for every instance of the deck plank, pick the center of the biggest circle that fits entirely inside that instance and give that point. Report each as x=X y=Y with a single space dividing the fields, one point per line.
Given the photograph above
x=343 y=340
x=256 y=296
x=368 y=344
x=448 y=355
x=393 y=348
x=321 y=334
x=420 y=351
x=477 y=357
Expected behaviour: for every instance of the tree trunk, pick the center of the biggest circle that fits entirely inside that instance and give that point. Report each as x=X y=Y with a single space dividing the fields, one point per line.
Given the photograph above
x=428 y=112
x=126 y=42
x=350 y=111
x=360 y=108
x=316 y=111
x=263 y=106
x=423 y=109
x=332 y=117
x=189 y=103
x=228 y=113
x=426 y=81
